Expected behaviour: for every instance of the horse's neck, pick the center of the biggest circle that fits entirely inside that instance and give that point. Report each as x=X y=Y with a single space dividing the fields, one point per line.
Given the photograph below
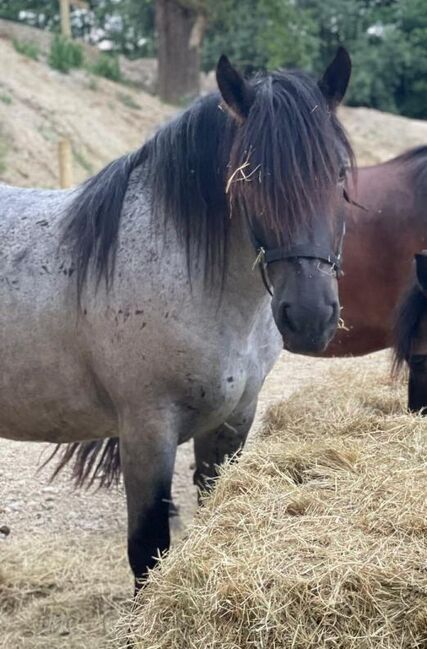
x=242 y=276
x=243 y=291
x=161 y=255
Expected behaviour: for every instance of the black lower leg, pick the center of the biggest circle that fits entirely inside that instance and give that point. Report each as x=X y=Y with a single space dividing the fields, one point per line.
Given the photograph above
x=417 y=385
x=149 y=538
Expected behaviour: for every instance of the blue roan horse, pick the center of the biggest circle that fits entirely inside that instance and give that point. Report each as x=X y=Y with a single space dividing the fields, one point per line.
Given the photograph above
x=130 y=306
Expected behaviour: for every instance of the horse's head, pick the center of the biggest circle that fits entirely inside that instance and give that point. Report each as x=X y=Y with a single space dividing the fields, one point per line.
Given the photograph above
x=287 y=173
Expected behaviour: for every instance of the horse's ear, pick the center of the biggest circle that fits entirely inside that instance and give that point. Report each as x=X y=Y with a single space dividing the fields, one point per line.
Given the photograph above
x=237 y=94
x=335 y=80
x=421 y=269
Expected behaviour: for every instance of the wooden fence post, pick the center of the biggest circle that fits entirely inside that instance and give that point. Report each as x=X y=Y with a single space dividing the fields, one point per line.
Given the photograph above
x=64 y=6
x=65 y=164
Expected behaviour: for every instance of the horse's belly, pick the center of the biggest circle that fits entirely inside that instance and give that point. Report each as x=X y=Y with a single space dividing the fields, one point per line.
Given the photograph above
x=40 y=426
x=47 y=390
x=55 y=412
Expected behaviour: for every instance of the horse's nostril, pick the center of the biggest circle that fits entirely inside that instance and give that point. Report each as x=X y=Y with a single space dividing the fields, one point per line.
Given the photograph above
x=294 y=319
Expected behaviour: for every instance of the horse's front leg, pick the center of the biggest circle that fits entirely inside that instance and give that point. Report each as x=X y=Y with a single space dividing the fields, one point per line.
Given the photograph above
x=212 y=448
x=148 y=450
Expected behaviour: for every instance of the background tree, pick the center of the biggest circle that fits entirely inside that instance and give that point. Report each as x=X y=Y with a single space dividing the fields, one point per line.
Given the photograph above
x=180 y=29
x=388 y=43
x=387 y=39
x=261 y=34
x=127 y=25
x=38 y=13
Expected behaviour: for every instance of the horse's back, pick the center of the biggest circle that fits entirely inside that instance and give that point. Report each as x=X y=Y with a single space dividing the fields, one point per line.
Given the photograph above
x=30 y=225
x=29 y=229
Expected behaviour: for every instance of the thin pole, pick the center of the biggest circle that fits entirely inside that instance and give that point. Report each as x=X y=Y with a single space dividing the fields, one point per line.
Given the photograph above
x=64 y=6
x=65 y=164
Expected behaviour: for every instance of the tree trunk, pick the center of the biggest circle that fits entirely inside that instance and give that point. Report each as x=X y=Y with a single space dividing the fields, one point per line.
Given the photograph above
x=179 y=37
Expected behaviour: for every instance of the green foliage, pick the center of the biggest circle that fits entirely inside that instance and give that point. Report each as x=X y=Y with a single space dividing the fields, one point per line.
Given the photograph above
x=411 y=95
x=26 y=48
x=38 y=13
x=261 y=34
x=288 y=35
x=387 y=39
x=5 y=98
x=107 y=66
x=65 y=54
x=128 y=24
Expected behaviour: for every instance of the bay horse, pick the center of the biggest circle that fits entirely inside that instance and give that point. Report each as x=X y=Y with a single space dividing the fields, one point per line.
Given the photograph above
x=382 y=236
x=410 y=336
x=129 y=307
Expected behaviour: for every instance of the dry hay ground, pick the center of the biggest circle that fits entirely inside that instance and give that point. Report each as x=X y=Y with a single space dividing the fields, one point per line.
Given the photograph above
x=317 y=538
x=61 y=592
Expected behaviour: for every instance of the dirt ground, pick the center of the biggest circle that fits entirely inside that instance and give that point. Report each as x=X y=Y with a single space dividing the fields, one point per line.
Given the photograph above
x=64 y=578
x=39 y=106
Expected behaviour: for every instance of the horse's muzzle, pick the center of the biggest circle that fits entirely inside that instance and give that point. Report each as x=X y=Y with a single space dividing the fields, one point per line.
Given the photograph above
x=306 y=331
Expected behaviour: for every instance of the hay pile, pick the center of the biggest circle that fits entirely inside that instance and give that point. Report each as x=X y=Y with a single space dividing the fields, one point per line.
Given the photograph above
x=316 y=539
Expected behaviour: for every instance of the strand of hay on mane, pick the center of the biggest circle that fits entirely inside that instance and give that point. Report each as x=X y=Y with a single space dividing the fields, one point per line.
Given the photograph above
x=317 y=538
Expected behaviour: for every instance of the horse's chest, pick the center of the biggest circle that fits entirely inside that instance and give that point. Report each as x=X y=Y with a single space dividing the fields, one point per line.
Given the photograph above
x=208 y=399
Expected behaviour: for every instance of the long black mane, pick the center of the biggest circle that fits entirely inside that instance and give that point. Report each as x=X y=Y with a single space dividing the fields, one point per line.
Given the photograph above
x=289 y=150
x=184 y=168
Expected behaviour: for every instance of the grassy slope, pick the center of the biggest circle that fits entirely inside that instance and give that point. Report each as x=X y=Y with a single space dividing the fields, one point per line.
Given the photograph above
x=103 y=119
